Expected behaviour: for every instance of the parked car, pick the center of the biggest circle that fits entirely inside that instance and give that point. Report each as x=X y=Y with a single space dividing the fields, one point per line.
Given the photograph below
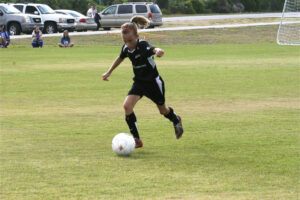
x=82 y=23
x=16 y=22
x=53 y=22
x=116 y=15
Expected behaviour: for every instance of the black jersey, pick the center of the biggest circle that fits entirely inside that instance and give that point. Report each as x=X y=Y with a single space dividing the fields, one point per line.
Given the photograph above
x=142 y=59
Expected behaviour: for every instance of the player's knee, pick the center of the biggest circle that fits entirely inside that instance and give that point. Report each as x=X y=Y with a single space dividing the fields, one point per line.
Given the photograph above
x=127 y=107
x=163 y=111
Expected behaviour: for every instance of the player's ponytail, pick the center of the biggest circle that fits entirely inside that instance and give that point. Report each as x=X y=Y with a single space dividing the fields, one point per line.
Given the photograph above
x=140 y=21
x=135 y=23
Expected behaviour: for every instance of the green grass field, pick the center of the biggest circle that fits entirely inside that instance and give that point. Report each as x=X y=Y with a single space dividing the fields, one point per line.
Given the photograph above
x=239 y=103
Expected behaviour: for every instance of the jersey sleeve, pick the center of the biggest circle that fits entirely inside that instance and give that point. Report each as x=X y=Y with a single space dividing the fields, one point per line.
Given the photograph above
x=7 y=35
x=149 y=48
x=123 y=52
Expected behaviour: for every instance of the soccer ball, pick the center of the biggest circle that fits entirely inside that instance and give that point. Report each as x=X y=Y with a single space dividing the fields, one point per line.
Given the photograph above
x=123 y=144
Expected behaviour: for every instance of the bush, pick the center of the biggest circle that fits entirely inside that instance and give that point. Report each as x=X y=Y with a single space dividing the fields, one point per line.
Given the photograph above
x=220 y=6
x=250 y=5
x=163 y=4
x=188 y=8
x=177 y=6
x=238 y=7
x=264 y=5
x=198 y=5
x=277 y=5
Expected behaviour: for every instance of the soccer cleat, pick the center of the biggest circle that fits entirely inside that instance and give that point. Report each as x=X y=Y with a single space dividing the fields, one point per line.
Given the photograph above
x=138 y=143
x=178 y=128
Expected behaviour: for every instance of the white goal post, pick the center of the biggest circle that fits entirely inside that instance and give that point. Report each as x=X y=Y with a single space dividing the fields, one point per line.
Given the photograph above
x=289 y=28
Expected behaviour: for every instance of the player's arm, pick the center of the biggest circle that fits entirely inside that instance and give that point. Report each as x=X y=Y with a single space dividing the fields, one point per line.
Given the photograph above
x=115 y=64
x=34 y=36
x=158 y=52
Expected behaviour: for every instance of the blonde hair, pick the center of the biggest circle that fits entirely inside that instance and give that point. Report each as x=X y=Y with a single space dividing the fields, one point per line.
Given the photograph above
x=135 y=23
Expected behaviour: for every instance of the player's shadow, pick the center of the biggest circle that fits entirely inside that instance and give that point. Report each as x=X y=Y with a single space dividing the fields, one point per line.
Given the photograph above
x=140 y=155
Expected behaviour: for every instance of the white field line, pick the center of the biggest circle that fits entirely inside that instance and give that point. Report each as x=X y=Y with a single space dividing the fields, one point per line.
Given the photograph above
x=154 y=30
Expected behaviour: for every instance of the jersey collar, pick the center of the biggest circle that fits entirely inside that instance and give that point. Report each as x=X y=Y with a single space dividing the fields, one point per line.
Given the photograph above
x=136 y=48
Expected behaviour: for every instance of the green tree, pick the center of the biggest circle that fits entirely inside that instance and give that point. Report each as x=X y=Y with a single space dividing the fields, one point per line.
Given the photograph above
x=219 y=6
x=198 y=6
x=250 y=5
x=163 y=4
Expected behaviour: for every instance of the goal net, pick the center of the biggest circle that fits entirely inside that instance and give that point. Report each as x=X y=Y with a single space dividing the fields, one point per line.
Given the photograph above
x=289 y=29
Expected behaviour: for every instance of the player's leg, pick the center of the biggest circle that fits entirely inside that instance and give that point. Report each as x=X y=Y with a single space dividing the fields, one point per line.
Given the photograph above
x=7 y=43
x=156 y=92
x=41 y=43
x=2 y=42
x=129 y=103
x=130 y=117
x=34 y=44
x=169 y=113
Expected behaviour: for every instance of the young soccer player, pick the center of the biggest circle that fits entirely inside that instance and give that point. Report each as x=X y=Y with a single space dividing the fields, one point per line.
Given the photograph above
x=37 y=40
x=147 y=81
x=65 y=40
x=4 y=37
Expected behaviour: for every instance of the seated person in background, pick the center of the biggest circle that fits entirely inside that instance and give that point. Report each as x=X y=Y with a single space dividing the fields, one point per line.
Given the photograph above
x=4 y=37
x=65 y=40
x=37 y=40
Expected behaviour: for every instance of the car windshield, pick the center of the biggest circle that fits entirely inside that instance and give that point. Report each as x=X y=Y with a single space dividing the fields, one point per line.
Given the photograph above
x=76 y=14
x=46 y=9
x=10 y=9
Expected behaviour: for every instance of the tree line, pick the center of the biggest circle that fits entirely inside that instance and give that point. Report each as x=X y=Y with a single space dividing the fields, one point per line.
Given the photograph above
x=220 y=6
x=173 y=6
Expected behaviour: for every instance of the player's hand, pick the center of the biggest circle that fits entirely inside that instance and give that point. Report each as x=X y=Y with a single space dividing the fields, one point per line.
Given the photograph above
x=105 y=76
x=159 y=53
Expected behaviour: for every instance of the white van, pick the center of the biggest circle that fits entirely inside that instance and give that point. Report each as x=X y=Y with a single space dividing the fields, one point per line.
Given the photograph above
x=53 y=22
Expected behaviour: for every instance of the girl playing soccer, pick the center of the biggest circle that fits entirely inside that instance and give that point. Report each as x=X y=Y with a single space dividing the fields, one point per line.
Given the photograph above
x=146 y=80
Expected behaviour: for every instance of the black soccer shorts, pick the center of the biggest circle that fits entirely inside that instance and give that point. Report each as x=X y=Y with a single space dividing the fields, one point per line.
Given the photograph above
x=154 y=90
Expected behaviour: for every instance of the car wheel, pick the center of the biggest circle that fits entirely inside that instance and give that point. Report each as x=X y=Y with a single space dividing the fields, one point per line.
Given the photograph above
x=106 y=28
x=14 y=29
x=152 y=26
x=50 y=28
